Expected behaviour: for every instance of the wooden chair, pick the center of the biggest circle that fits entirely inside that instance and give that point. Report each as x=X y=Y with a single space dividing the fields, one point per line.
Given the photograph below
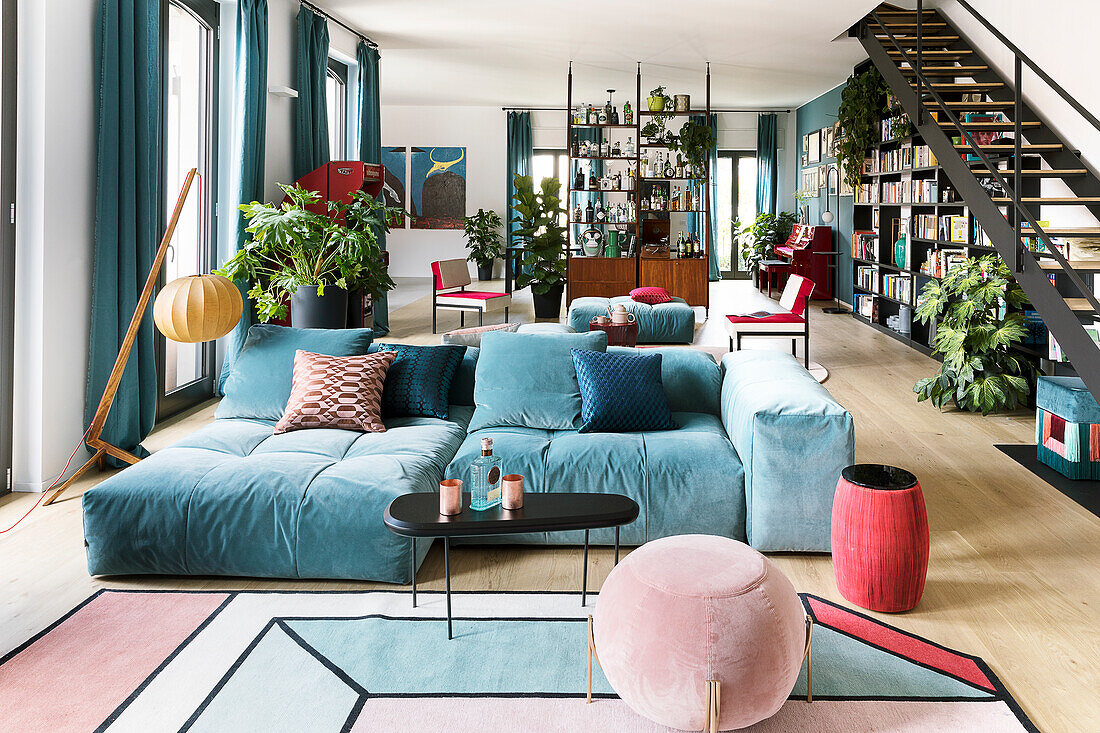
x=449 y=281
x=792 y=322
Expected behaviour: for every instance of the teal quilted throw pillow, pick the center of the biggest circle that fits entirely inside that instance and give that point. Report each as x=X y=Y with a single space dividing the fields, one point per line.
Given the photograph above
x=621 y=393
x=419 y=380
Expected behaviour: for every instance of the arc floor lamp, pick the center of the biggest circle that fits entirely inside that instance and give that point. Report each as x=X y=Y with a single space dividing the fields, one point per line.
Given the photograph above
x=827 y=217
x=189 y=309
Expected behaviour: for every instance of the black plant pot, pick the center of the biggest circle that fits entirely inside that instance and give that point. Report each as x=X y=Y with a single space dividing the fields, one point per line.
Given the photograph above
x=485 y=272
x=549 y=304
x=309 y=310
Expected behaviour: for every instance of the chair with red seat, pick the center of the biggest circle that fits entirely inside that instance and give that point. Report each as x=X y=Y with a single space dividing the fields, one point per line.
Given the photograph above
x=449 y=281
x=792 y=322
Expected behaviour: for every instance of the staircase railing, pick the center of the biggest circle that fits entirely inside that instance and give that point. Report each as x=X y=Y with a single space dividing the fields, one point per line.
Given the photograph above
x=1013 y=192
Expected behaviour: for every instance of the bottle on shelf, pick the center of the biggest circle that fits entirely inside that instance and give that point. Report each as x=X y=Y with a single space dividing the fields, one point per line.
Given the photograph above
x=679 y=166
x=606 y=114
x=616 y=150
x=674 y=250
x=577 y=213
x=578 y=179
x=575 y=148
x=601 y=214
x=614 y=115
x=589 y=213
x=670 y=170
x=592 y=185
x=631 y=174
x=628 y=114
x=485 y=478
x=628 y=149
x=605 y=148
x=645 y=165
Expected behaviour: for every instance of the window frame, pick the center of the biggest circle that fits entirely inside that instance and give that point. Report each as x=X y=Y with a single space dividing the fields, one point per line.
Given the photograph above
x=8 y=142
x=560 y=155
x=206 y=12
x=340 y=71
x=737 y=156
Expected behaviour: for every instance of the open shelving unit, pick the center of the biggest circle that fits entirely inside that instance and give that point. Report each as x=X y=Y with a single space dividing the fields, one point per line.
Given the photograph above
x=602 y=276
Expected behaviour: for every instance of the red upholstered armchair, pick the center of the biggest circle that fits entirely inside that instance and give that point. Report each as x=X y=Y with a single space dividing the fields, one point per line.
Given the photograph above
x=449 y=281
x=792 y=322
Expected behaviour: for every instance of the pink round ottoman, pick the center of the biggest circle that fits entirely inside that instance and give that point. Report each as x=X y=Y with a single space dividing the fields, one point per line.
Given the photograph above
x=681 y=611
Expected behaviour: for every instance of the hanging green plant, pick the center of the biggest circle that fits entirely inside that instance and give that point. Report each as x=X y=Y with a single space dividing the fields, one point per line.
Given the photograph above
x=860 y=116
x=976 y=309
x=696 y=141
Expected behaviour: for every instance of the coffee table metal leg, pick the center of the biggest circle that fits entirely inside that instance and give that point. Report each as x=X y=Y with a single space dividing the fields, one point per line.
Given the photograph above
x=414 y=571
x=447 y=571
x=616 y=546
x=584 y=572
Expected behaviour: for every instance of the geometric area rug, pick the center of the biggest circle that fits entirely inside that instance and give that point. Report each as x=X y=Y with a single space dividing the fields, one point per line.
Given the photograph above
x=129 y=660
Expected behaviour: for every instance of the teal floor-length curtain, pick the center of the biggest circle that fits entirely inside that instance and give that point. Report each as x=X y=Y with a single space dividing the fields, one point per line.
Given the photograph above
x=128 y=200
x=713 y=273
x=767 y=166
x=370 y=146
x=249 y=133
x=520 y=153
x=311 y=113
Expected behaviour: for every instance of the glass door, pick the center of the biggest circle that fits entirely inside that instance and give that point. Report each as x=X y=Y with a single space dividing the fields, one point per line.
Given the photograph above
x=7 y=232
x=186 y=370
x=736 y=201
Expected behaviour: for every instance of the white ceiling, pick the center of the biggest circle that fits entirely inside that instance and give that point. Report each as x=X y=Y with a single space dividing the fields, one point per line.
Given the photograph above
x=763 y=53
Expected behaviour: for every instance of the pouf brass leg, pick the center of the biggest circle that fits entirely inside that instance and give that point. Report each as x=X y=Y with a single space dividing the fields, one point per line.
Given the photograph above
x=714 y=706
x=591 y=653
x=808 y=655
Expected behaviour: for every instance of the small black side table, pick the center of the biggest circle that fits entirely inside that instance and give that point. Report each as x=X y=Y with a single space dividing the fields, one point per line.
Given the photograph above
x=417 y=515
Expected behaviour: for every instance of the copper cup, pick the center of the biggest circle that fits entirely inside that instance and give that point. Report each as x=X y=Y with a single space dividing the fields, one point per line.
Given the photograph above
x=512 y=494
x=450 y=496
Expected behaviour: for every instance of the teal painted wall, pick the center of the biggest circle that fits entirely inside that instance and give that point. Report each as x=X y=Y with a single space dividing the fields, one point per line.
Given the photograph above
x=814 y=115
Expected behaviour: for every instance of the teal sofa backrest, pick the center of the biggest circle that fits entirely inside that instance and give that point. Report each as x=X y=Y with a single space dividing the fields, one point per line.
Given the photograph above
x=693 y=381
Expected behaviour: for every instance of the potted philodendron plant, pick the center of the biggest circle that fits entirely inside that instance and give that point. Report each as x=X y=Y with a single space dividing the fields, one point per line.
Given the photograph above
x=311 y=260
x=542 y=261
x=762 y=235
x=696 y=140
x=976 y=308
x=484 y=241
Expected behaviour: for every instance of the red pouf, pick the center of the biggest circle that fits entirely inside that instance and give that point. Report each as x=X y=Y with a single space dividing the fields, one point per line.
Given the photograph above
x=880 y=537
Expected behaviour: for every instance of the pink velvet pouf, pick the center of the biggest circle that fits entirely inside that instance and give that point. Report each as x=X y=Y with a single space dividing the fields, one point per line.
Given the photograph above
x=682 y=610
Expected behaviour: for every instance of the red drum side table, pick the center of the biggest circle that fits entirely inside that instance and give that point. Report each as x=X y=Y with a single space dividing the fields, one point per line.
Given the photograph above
x=880 y=537
x=618 y=334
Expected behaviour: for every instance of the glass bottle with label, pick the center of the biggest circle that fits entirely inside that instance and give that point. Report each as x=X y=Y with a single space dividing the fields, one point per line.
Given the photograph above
x=628 y=114
x=577 y=213
x=601 y=215
x=616 y=150
x=628 y=149
x=589 y=213
x=605 y=149
x=578 y=180
x=485 y=478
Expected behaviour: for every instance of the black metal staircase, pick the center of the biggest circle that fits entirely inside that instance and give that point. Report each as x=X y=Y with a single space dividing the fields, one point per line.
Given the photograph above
x=930 y=65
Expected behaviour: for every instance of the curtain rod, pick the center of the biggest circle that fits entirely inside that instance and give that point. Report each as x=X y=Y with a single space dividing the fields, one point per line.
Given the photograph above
x=338 y=22
x=713 y=109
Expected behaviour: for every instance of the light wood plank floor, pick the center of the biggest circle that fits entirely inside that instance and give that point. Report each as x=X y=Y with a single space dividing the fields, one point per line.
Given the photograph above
x=1013 y=575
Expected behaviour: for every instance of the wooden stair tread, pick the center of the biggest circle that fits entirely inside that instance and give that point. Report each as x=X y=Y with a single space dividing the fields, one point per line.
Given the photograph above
x=913 y=39
x=980 y=105
x=941 y=52
x=1082 y=200
x=1079 y=304
x=1009 y=147
x=993 y=125
x=970 y=85
x=1081 y=265
x=913 y=24
x=1066 y=231
x=1036 y=172
x=937 y=70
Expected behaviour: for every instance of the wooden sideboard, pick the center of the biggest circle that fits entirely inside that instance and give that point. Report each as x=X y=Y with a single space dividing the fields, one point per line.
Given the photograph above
x=682 y=278
x=600 y=277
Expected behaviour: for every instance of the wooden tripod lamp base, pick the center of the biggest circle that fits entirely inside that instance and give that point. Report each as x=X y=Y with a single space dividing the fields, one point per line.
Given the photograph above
x=231 y=310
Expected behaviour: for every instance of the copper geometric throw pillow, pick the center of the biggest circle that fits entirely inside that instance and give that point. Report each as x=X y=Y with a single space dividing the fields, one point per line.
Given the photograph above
x=342 y=392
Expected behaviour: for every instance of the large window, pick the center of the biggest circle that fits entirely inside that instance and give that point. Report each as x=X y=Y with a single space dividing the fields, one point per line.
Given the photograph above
x=186 y=370
x=550 y=163
x=7 y=233
x=336 y=99
x=736 y=201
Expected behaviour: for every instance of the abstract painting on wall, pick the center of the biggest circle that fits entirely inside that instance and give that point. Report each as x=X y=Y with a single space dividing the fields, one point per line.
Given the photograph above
x=437 y=188
x=393 y=191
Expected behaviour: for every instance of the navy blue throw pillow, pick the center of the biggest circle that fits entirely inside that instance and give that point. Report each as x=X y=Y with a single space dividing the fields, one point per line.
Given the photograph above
x=621 y=393
x=419 y=380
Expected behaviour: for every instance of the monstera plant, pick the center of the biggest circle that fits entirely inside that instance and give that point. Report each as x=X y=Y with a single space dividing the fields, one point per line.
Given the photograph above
x=976 y=310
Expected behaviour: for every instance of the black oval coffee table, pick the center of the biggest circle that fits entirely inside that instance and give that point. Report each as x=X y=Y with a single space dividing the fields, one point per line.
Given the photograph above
x=417 y=515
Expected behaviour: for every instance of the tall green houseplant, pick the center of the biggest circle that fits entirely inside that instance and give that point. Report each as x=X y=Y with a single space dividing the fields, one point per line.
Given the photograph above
x=762 y=235
x=542 y=263
x=483 y=240
x=976 y=310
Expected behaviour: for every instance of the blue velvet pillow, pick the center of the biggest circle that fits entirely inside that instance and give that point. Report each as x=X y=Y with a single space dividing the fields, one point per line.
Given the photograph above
x=621 y=393
x=259 y=385
x=528 y=380
x=418 y=382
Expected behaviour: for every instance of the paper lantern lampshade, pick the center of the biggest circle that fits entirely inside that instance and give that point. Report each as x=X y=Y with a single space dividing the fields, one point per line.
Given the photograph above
x=197 y=308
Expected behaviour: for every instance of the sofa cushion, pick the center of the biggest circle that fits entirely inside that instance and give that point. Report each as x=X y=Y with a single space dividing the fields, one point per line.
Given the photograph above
x=692 y=378
x=472 y=336
x=684 y=480
x=621 y=393
x=342 y=392
x=259 y=385
x=528 y=380
x=650 y=295
x=234 y=499
x=419 y=382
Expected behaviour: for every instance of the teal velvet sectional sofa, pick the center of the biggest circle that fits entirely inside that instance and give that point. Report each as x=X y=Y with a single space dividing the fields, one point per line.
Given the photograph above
x=756 y=457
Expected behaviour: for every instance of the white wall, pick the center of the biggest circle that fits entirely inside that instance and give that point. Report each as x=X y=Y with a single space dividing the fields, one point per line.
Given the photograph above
x=481 y=130
x=55 y=191
x=1060 y=37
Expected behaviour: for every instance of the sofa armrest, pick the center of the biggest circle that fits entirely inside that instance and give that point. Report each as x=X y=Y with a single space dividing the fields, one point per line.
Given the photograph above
x=793 y=439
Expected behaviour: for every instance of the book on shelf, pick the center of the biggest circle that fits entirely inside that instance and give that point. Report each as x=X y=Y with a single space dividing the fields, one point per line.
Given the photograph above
x=923 y=157
x=924 y=226
x=866 y=193
x=867 y=306
x=867 y=277
x=1054 y=351
x=898 y=286
x=865 y=245
x=942 y=261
